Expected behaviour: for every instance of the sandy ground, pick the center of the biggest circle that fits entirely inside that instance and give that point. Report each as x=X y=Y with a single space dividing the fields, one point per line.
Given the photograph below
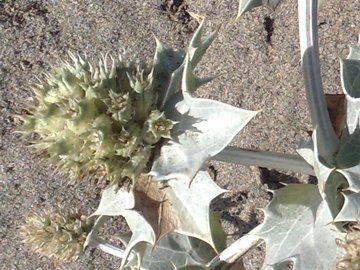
x=254 y=71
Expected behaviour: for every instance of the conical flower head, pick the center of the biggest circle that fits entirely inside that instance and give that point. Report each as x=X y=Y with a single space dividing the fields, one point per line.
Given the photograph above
x=351 y=246
x=59 y=235
x=96 y=120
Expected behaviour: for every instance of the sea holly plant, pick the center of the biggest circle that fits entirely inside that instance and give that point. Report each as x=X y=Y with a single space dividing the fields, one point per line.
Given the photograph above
x=140 y=129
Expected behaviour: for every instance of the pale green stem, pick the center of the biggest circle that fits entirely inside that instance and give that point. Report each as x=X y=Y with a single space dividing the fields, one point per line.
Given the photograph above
x=108 y=248
x=235 y=251
x=308 y=29
x=280 y=161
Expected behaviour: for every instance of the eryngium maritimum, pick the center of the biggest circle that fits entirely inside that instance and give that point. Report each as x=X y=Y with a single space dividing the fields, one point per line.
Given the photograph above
x=351 y=246
x=59 y=235
x=98 y=120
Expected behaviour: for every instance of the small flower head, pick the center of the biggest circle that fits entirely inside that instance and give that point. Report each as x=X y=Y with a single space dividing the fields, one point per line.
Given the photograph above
x=351 y=246
x=157 y=127
x=58 y=235
x=98 y=120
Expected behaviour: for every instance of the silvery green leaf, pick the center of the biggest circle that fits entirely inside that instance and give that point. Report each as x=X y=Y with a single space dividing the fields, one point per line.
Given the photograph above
x=353 y=113
x=152 y=210
x=350 y=80
x=352 y=176
x=195 y=136
x=166 y=63
x=335 y=199
x=351 y=208
x=349 y=151
x=204 y=128
x=124 y=237
x=322 y=167
x=329 y=180
x=199 y=44
x=175 y=251
x=197 y=48
x=348 y=157
x=246 y=5
x=142 y=233
x=114 y=201
x=354 y=52
x=306 y=151
x=193 y=209
x=173 y=87
x=298 y=227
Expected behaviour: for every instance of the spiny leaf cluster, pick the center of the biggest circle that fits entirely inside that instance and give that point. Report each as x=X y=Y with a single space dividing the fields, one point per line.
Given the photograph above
x=108 y=121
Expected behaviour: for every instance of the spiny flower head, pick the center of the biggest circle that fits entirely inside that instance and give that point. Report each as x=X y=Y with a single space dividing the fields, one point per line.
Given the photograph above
x=59 y=235
x=351 y=246
x=98 y=120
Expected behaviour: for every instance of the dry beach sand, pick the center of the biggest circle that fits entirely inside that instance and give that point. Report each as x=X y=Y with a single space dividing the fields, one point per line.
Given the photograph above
x=258 y=67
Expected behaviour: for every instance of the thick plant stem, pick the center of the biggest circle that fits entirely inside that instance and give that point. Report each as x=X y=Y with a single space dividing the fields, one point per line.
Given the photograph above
x=235 y=251
x=327 y=140
x=264 y=159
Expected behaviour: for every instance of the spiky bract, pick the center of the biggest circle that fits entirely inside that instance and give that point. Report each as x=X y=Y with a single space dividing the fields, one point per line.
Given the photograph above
x=59 y=235
x=96 y=120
